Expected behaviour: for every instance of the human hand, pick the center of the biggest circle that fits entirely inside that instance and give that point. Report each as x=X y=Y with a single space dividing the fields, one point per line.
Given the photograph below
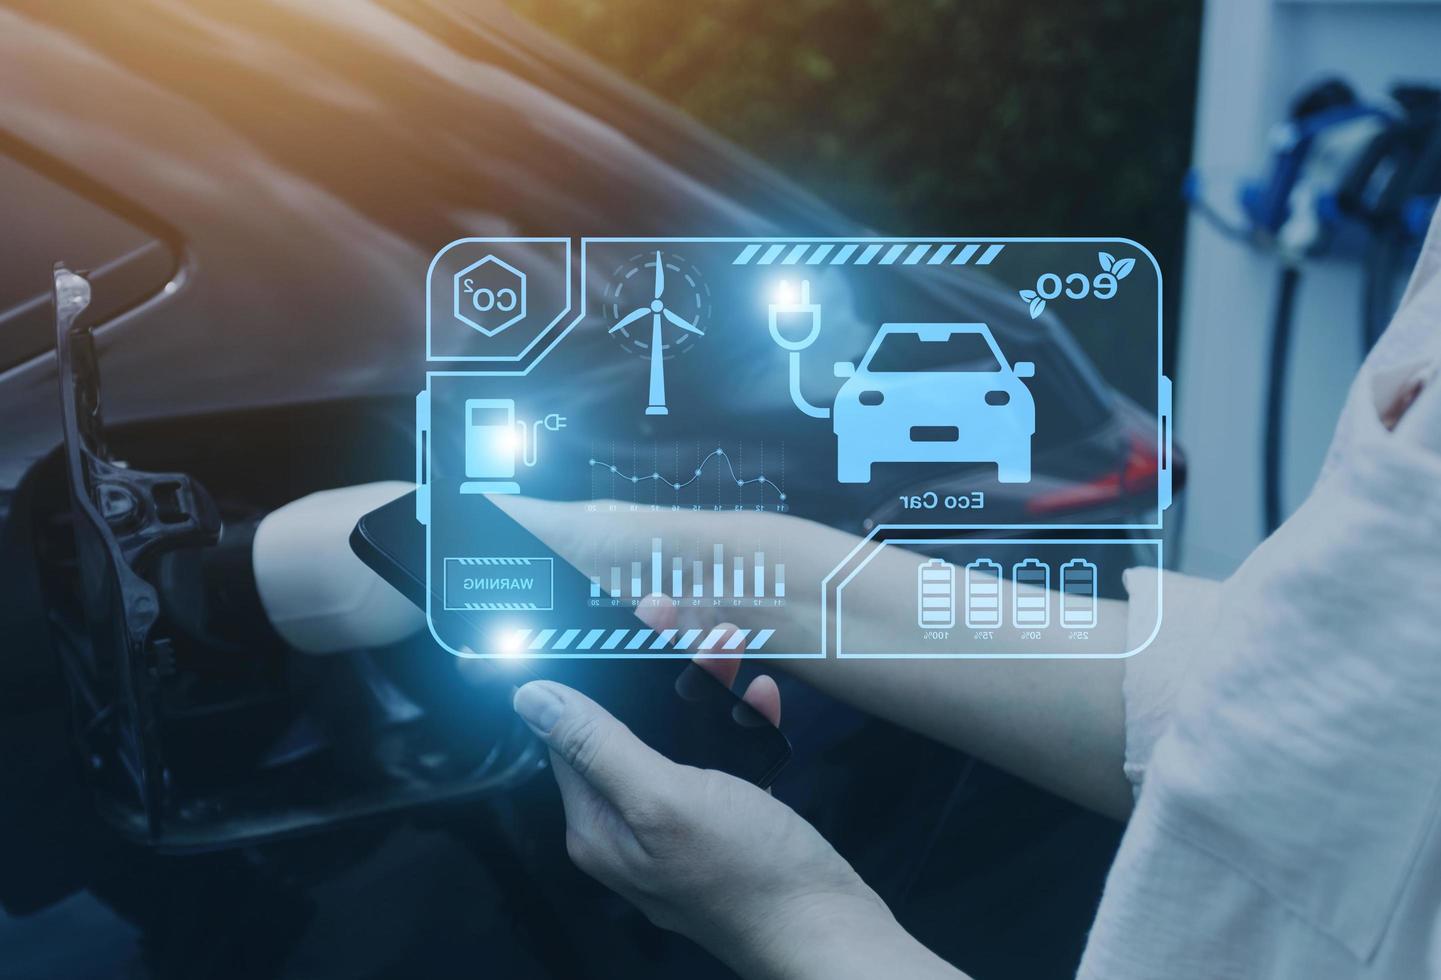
x=703 y=853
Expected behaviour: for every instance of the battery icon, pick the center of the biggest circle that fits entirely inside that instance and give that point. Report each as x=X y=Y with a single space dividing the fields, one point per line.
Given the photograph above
x=936 y=595
x=1078 y=594
x=983 y=594
x=1031 y=597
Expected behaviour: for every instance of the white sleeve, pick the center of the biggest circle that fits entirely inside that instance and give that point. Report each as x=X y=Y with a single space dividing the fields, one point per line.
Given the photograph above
x=1154 y=675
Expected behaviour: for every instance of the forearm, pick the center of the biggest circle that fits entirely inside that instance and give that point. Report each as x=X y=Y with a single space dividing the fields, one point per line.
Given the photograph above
x=854 y=942
x=1059 y=724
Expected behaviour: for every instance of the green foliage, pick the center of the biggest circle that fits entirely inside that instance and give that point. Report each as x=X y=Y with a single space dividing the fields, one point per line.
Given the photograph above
x=979 y=117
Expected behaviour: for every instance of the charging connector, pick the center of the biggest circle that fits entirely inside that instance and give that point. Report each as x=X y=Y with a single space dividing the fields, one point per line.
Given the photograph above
x=530 y=435
x=794 y=327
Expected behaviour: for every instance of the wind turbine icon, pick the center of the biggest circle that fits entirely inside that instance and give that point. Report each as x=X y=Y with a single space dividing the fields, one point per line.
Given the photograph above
x=659 y=314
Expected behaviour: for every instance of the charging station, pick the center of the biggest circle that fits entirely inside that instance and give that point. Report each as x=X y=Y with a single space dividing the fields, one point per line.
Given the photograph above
x=1255 y=56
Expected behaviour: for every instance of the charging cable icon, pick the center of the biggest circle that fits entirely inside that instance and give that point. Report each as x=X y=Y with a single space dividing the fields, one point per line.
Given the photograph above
x=794 y=326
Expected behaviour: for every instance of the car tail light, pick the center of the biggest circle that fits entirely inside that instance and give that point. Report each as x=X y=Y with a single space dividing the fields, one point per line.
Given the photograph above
x=1138 y=474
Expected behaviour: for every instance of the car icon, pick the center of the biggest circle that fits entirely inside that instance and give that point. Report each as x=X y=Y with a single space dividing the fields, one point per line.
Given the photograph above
x=934 y=393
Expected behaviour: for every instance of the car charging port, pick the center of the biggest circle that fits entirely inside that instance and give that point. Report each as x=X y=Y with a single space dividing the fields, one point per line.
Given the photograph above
x=200 y=724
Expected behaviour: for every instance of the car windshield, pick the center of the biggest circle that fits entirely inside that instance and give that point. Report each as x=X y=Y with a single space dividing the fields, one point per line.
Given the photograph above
x=909 y=352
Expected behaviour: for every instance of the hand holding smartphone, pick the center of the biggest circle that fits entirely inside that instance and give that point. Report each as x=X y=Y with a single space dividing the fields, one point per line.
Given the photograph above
x=681 y=711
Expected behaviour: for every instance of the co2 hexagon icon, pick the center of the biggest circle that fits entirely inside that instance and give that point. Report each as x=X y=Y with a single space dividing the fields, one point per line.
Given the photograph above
x=489 y=295
x=497 y=301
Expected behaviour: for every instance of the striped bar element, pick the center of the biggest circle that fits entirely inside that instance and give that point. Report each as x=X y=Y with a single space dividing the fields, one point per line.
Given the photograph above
x=868 y=253
x=713 y=640
x=495 y=561
x=590 y=639
x=819 y=254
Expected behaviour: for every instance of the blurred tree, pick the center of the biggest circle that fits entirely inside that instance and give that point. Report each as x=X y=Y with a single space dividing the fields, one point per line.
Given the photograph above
x=1047 y=117
x=939 y=117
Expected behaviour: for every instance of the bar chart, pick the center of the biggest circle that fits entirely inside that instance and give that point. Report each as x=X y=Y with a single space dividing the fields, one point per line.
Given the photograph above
x=717 y=578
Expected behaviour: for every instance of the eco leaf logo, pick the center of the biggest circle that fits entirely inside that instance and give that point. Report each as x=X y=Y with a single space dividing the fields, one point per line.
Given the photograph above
x=1120 y=269
x=1038 y=305
x=1076 y=285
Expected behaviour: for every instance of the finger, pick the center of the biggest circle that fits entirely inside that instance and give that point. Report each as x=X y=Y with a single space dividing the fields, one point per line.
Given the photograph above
x=597 y=747
x=1403 y=401
x=1421 y=424
x=764 y=696
x=723 y=669
x=657 y=611
x=557 y=524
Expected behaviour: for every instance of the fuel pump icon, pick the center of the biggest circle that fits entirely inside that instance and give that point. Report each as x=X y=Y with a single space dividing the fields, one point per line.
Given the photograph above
x=493 y=440
x=482 y=445
x=490 y=442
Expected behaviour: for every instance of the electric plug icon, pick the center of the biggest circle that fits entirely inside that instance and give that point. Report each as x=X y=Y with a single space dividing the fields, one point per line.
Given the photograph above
x=794 y=325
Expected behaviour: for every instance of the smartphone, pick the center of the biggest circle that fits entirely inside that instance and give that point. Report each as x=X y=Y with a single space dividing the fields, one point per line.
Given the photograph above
x=682 y=712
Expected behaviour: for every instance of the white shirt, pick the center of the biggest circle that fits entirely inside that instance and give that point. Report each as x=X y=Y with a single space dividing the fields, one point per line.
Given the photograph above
x=1284 y=732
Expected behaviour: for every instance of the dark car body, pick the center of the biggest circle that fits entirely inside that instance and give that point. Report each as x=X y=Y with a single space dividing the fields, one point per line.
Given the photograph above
x=257 y=189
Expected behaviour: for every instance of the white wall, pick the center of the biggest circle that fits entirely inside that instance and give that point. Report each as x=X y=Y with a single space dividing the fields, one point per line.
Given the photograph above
x=1255 y=55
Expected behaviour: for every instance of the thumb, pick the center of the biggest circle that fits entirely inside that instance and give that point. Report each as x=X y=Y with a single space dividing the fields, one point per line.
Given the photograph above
x=597 y=747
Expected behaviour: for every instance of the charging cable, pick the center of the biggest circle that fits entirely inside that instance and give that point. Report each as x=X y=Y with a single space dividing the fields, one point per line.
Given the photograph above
x=530 y=435
x=786 y=313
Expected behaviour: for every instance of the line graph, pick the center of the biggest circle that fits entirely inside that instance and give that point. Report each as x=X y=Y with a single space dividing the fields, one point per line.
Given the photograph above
x=737 y=480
